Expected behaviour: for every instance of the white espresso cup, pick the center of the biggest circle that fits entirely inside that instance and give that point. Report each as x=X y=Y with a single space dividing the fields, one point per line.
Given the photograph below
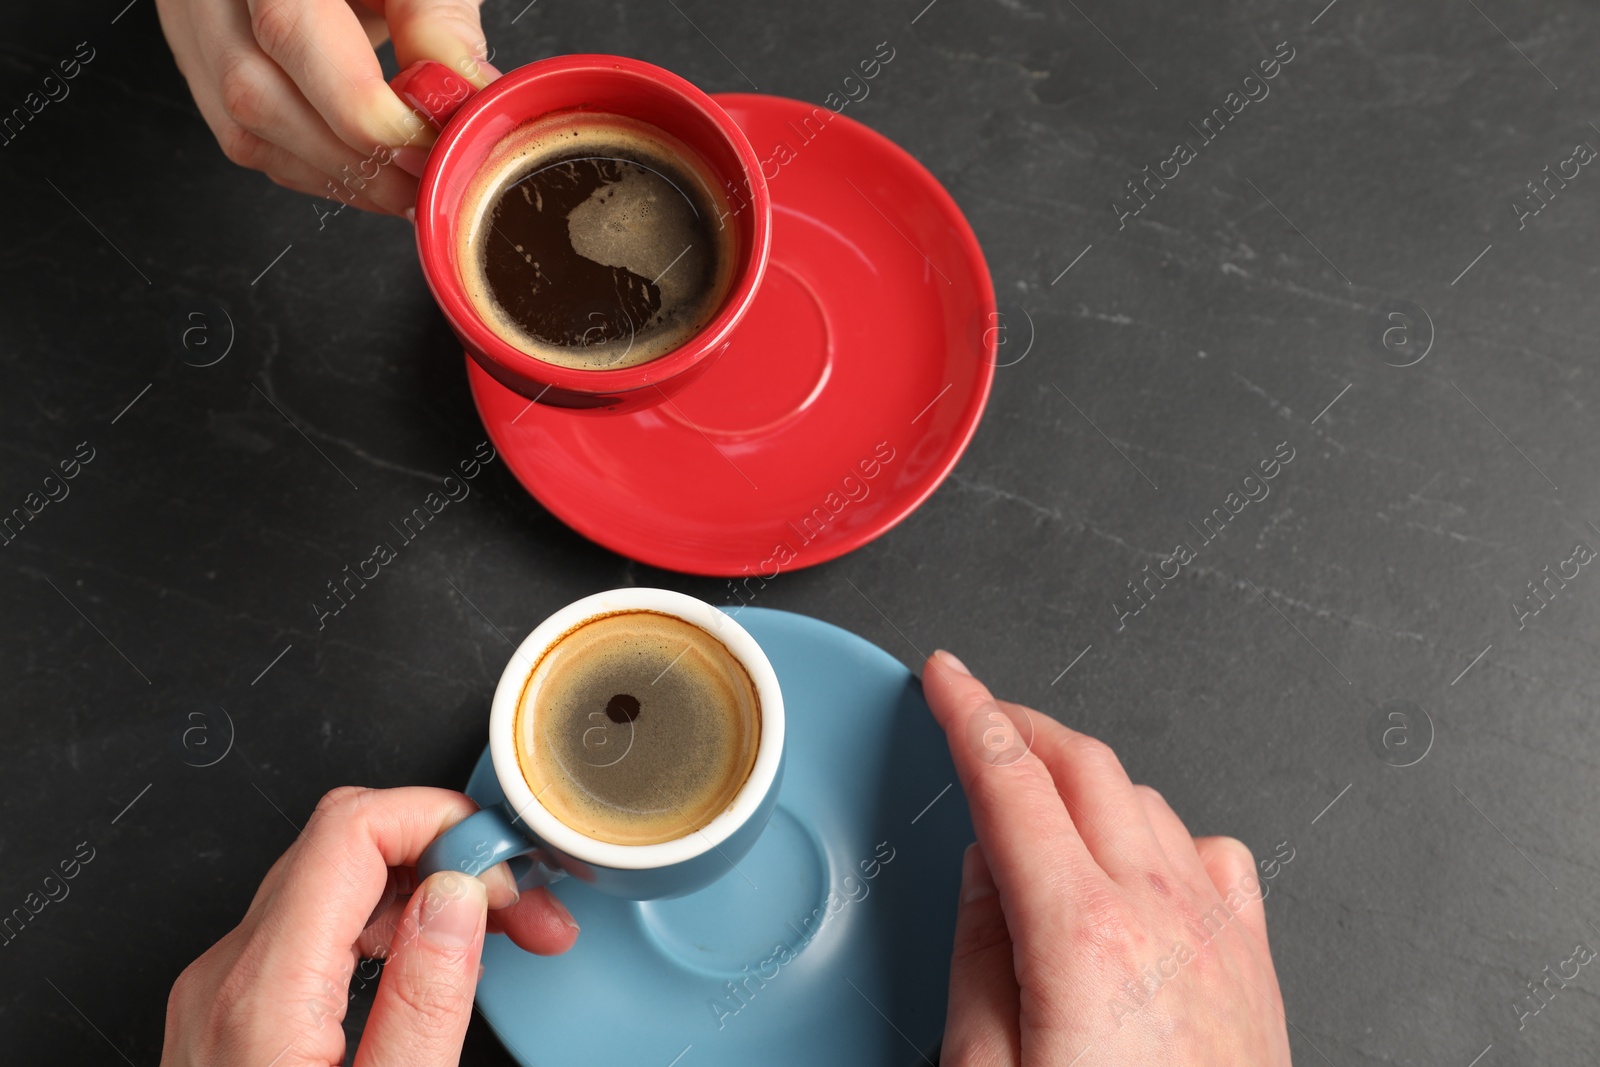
x=541 y=848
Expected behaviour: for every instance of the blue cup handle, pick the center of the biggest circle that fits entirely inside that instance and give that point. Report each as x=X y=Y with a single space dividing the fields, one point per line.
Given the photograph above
x=484 y=839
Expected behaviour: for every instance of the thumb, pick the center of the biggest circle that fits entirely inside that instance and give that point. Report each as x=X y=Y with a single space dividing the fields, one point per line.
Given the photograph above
x=981 y=1028
x=445 y=31
x=424 y=1000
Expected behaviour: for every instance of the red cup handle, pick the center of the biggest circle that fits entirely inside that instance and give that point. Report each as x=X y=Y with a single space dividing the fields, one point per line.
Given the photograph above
x=433 y=90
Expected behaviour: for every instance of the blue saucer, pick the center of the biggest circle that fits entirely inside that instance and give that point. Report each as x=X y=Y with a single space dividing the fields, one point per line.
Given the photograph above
x=830 y=943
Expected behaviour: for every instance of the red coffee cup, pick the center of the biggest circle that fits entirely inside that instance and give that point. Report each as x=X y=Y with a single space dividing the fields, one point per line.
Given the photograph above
x=472 y=122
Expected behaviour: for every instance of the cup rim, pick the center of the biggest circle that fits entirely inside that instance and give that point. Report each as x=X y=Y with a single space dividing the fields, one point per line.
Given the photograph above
x=551 y=830
x=506 y=358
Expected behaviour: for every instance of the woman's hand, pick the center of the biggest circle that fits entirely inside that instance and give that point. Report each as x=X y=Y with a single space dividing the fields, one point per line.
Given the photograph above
x=293 y=87
x=275 y=989
x=1092 y=929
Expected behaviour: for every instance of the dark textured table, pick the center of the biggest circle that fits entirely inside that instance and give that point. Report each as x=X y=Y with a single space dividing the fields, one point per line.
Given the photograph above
x=1345 y=264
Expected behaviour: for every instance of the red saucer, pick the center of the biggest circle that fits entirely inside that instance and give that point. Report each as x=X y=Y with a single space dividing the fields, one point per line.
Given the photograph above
x=851 y=388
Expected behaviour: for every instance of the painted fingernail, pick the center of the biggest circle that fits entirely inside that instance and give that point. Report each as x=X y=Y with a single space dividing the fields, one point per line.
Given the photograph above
x=409 y=159
x=953 y=663
x=976 y=880
x=453 y=909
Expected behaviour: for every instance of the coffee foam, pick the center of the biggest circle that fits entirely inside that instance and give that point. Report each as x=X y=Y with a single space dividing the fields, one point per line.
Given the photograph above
x=645 y=223
x=670 y=770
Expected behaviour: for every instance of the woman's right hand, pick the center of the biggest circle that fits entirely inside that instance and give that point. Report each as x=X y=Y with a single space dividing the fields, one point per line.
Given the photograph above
x=1092 y=929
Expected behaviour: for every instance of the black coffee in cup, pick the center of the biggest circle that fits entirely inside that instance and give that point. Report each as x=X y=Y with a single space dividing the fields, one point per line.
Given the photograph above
x=637 y=728
x=594 y=241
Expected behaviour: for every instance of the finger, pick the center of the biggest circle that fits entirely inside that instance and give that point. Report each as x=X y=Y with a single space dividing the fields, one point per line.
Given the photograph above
x=259 y=97
x=1100 y=798
x=981 y=1029
x=445 y=31
x=372 y=22
x=537 y=923
x=199 y=67
x=1176 y=842
x=178 y=28
x=302 y=177
x=254 y=152
x=1232 y=870
x=1041 y=867
x=424 y=999
x=377 y=939
x=321 y=46
x=327 y=887
x=254 y=94
x=391 y=823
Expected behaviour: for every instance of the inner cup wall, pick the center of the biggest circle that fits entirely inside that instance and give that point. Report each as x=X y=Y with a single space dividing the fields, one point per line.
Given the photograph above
x=611 y=91
x=694 y=857
x=726 y=684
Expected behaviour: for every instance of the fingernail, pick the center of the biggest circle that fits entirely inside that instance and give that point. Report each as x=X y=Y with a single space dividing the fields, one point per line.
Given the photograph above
x=953 y=663
x=561 y=910
x=414 y=130
x=410 y=214
x=409 y=159
x=976 y=880
x=453 y=909
x=480 y=72
x=499 y=876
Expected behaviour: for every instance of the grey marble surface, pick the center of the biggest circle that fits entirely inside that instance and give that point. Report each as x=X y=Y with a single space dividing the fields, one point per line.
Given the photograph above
x=1240 y=308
